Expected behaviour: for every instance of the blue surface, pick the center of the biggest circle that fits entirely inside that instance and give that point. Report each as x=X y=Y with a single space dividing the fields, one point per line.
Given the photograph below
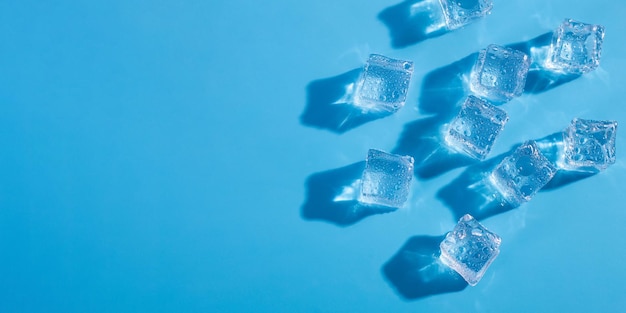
x=154 y=160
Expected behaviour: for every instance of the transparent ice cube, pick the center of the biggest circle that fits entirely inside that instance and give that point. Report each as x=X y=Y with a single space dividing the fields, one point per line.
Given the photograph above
x=469 y=249
x=522 y=174
x=386 y=180
x=589 y=145
x=475 y=128
x=499 y=73
x=576 y=47
x=383 y=84
x=459 y=13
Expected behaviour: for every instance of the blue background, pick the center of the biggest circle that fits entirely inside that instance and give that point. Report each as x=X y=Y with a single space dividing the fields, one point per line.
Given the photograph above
x=153 y=160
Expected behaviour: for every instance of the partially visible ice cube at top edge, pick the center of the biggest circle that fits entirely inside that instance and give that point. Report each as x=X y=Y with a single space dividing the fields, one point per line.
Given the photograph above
x=383 y=84
x=576 y=47
x=386 y=180
x=499 y=73
x=459 y=13
x=522 y=174
x=589 y=145
x=476 y=127
x=469 y=249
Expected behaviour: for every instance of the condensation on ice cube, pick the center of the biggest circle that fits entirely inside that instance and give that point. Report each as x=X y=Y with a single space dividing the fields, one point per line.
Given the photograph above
x=588 y=145
x=459 y=13
x=576 y=47
x=522 y=174
x=383 y=84
x=386 y=180
x=499 y=73
x=476 y=127
x=469 y=249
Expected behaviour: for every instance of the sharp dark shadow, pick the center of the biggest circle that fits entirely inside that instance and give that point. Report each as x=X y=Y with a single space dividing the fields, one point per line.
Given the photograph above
x=331 y=197
x=422 y=139
x=442 y=91
x=472 y=193
x=443 y=88
x=540 y=78
x=329 y=105
x=413 y=21
x=563 y=178
x=415 y=271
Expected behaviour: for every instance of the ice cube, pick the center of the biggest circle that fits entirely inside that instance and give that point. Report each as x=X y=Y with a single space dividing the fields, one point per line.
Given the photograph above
x=576 y=47
x=499 y=73
x=383 y=84
x=522 y=174
x=475 y=128
x=386 y=180
x=589 y=145
x=459 y=13
x=469 y=249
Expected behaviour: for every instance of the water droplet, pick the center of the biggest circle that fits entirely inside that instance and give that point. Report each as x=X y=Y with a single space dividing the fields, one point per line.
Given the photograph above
x=462 y=234
x=477 y=232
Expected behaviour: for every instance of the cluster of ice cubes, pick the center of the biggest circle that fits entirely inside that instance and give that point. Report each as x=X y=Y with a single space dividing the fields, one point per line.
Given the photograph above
x=498 y=75
x=588 y=145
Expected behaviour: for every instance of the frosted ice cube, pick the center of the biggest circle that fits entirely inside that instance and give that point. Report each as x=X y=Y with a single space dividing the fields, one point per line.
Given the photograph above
x=589 y=145
x=386 y=180
x=522 y=174
x=383 y=84
x=459 y=13
x=469 y=249
x=475 y=128
x=576 y=47
x=499 y=73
